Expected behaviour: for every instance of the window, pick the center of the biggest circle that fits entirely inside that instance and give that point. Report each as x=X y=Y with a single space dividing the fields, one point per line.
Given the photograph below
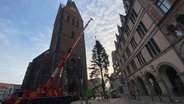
x=73 y=21
x=124 y=58
x=163 y=5
x=133 y=43
x=122 y=19
x=128 y=52
x=133 y=65
x=68 y=18
x=121 y=48
x=73 y=35
x=123 y=39
x=120 y=30
x=176 y=31
x=127 y=30
x=128 y=69
x=77 y=24
x=141 y=29
x=180 y=20
x=125 y=73
x=119 y=51
x=133 y=16
x=141 y=59
x=121 y=61
x=152 y=48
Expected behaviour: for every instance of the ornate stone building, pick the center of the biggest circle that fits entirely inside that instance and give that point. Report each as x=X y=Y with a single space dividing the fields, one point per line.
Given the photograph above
x=150 y=47
x=68 y=24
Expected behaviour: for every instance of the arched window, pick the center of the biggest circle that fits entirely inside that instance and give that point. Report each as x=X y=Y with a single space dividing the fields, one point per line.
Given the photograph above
x=73 y=21
x=68 y=18
x=73 y=35
x=176 y=31
x=77 y=23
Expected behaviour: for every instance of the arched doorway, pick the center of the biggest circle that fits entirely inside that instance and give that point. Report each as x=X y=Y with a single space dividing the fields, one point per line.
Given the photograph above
x=172 y=81
x=133 y=84
x=141 y=87
x=74 y=87
x=153 y=84
x=128 y=85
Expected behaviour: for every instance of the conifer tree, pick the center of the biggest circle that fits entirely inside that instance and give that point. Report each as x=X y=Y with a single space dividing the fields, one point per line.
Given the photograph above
x=99 y=64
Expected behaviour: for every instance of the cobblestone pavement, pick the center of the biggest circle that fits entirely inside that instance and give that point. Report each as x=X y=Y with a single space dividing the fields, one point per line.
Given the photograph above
x=111 y=101
x=125 y=99
x=155 y=99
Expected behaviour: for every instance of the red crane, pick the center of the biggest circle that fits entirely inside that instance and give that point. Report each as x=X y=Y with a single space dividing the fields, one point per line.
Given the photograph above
x=46 y=94
x=59 y=68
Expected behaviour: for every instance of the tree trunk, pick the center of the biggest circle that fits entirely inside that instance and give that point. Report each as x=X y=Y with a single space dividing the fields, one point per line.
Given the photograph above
x=103 y=83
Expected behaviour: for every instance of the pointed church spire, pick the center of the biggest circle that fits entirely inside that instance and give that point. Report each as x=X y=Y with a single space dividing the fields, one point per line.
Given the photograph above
x=61 y=5
x=69 y=1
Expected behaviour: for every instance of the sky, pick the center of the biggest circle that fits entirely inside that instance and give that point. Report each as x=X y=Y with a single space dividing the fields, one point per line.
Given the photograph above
x=26 y=28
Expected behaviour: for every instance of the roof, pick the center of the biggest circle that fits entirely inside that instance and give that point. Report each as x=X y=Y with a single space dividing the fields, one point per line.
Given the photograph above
x=5 y=85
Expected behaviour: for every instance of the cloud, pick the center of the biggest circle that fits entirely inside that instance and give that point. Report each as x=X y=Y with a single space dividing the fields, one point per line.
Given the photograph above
x=21 y=42
x=18 y=47
x=41 y=39
x=106 y=17
x=7 y=30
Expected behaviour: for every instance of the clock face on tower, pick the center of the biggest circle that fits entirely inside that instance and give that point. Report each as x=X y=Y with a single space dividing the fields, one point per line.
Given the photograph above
x=73 y=9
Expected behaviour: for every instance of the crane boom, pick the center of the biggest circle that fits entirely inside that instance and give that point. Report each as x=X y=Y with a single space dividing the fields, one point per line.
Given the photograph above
x=59 y=68
x=45 y=93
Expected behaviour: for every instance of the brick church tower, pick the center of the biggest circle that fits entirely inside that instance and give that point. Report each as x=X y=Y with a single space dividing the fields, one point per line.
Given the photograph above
x=68 y=24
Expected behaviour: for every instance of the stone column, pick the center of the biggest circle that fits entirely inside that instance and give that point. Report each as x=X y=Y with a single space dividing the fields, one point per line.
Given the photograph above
x=166 y=86
x=162 y=87
x=146 y=83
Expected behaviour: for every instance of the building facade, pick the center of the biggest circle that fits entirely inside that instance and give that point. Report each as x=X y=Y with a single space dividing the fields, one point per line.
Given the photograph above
x=68 y=24
x=6 y=90
x=116 y=77
x=150 y=47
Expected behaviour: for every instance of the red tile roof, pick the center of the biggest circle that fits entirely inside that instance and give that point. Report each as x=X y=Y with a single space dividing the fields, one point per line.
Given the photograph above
x=5 y=85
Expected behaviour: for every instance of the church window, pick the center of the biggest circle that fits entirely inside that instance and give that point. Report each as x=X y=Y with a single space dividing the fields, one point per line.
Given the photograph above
x=68 y=18
x=73 y=21
x=73 y=35
x=77 y=23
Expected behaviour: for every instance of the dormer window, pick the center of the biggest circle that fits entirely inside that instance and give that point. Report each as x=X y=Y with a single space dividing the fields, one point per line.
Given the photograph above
x=163 y=5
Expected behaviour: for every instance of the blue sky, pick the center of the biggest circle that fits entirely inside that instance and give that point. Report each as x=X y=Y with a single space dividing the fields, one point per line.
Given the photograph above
x=26 y=29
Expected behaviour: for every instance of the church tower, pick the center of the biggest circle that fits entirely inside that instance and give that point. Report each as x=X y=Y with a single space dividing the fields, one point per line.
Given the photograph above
x=68 y=24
